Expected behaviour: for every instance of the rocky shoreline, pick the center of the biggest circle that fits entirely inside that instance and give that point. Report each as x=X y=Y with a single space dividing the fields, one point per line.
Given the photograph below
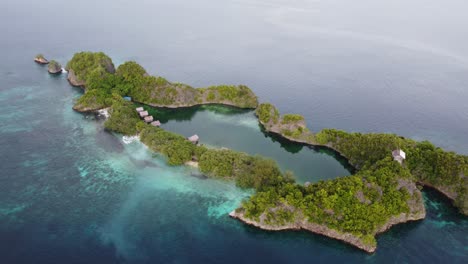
x=311 y=227
x=73 y=80
x=417 y=212
x=277 y=132
x=223 y=103
x=347 y=238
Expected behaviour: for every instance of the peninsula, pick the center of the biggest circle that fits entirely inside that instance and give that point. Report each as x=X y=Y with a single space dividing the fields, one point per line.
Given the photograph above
x=354 y=209
x=96 y=73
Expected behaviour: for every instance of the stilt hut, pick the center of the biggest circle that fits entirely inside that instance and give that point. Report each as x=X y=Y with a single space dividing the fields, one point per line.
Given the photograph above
x=144 y=113
x=140 y=109
x=148 y=119
x=194 y=139
x=156 y=123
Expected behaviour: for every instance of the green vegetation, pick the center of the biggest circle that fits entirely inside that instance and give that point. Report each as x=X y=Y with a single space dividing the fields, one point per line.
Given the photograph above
x=249 y=171
x=40 y=56
x=362 y=149
x=175 y=147
x=54 y=67
x=123 y=117
x=444 y=170
x=267 y=113
x=363 y=203
x=357 y=204
x=240 y=96
x=54 y=64
x=292 y=118
x=430 y=165
x=437 y=166
x=288 y=125
x=96 y=71
x=91 y=101
x=85 y=64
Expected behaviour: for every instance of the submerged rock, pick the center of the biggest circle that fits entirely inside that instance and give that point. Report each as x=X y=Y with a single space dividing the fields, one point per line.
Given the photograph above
x=54 y=67
x=40 y=59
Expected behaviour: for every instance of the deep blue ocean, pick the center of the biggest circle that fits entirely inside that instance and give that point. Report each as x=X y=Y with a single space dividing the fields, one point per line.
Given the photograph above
x=71 y=192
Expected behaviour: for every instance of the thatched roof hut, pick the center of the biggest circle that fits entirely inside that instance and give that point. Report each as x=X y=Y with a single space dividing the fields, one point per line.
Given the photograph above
x=156 y=123
x=194 y=139
x=140 y=109
x=148 y=119
x=144 y=113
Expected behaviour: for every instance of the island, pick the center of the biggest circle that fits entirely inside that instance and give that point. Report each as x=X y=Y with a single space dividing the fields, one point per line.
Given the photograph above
x=40 y=59
x=290 y=126
x=384 y=191
x=54 y=67
x=96 y=73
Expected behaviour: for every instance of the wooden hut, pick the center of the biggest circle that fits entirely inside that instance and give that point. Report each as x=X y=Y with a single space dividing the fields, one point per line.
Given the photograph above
x=194 y=139
x=140 y=109
x=399 y=155
x=148 y=119
x=144 y=113
x=156 y=123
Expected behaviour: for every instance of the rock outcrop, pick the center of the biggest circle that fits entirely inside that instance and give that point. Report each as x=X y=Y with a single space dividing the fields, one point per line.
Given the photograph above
x=40 y=59
x=54 y=67
x=78 y=74
x=73 y=80
x=290 y=126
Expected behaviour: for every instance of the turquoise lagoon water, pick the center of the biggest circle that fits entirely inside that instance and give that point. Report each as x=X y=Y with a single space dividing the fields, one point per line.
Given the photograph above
x=71 y=192
x=220 y=126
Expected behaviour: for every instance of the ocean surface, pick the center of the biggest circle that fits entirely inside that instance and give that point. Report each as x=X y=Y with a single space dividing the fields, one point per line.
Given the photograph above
x=71 y=192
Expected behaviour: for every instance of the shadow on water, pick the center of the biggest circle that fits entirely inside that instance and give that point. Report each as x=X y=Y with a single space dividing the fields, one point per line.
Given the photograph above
x=285 y=144
x=438 y=205
x=187 y=113
x=58 y=76
x=337 y=156
x=294 y=147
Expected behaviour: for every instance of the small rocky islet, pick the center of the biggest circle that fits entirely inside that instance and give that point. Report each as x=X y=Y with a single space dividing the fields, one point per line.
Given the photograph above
x=40 y=59
x=54 y=67
x=353 y=209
